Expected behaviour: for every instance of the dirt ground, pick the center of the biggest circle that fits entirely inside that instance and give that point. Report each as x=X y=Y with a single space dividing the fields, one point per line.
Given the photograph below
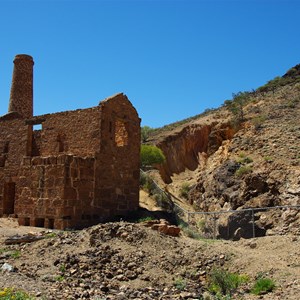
x=142 y=263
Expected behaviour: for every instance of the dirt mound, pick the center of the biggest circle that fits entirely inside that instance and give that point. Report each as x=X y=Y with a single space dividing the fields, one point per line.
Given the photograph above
x=128 y=261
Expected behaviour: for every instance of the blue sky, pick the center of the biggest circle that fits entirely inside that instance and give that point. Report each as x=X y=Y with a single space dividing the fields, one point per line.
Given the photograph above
x=173 y=59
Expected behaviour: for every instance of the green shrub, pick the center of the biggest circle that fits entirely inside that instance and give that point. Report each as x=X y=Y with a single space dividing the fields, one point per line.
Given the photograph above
x=237 y=104
x=145 y=133
x=145 y=219
x=262 y=286
x=268 y=158
x=184 y=190
x=15 y=254
x=143 y=178
x=151 y=155
x=10 y=293
x=149 y=186
x=243 y=159
x=180 y=284
x=62 y=268
x=243 y=170
x=201 y=224
x=258 y=121
x=189 y=232
x=222 y=282
x=59 y=278
x=163 y=200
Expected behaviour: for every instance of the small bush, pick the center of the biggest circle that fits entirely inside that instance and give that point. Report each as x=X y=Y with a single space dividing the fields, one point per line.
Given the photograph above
x=145 y=219
x=258 y=121
x=10 y=293
x=145 y=133
x=184 y=190
x=50 y=235
x=15 y=254
x=151 y=155
x=243 y=170
x=180 y=284
x=189 y=232
x=162 y=200
x=201 y=224
x=263 y=286
x=59 y=278
x=268 y=158
x=147 y=183
x=245 y=160
x=62 y=268
x=143 y=178
x=222 y=282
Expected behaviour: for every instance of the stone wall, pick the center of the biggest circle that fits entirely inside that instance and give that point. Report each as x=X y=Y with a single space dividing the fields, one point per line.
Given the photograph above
x=13 y=146
x=72 y=132
x=119 y=153
x=55 y=191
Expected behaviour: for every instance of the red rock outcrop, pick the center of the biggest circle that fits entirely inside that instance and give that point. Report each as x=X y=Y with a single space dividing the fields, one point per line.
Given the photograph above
x=189 y=147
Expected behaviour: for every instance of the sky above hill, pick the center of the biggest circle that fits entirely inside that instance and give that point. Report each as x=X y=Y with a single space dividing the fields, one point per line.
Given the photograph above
x=172 y=58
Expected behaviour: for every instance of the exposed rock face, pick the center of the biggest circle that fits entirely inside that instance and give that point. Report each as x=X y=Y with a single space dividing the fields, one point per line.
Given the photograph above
x=256 y=165
x=190 y=146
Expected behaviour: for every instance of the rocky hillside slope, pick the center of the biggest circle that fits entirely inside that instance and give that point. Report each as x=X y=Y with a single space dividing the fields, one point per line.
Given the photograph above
x=253 y=161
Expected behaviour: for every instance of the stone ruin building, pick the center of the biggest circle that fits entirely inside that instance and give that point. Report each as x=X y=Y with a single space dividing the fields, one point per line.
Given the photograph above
x=79 y=169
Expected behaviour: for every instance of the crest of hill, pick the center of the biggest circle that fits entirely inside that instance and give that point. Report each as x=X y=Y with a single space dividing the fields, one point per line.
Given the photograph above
x=291 y=77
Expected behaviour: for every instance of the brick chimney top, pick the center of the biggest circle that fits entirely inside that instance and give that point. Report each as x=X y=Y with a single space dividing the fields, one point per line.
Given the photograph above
x=23 y=57
x=21 y=93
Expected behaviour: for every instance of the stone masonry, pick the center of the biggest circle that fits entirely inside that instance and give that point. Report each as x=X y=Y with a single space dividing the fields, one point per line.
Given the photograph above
x=79 y=169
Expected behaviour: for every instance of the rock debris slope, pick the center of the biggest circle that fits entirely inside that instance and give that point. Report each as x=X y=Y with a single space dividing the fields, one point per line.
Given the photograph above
x=128 y=261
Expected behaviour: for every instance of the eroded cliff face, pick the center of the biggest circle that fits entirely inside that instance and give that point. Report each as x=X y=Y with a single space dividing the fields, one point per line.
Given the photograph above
x=256 y=165
x=191 y=146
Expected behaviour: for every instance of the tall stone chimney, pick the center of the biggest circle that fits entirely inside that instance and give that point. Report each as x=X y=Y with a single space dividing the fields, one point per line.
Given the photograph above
x=21 y=93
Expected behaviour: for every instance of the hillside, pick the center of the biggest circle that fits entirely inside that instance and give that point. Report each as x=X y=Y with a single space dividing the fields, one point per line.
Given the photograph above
x=244 y=154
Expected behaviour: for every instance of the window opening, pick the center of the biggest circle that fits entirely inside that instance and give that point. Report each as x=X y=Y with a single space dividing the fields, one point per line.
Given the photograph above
x=121 y=134
x=37 y=127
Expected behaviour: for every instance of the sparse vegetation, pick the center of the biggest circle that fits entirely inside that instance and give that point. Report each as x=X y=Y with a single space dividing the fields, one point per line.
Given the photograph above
x=201 y=224
x=145 y=219
x=148 y=184
x=50 y=235
x=59 y=278
x=242 y=170
x=12 y=294
x=291 y=76
x=180 y=283
x=243 y=159
x=145 y=133
x=237 y=104
x=222 y=282
x=262 y=286
x=174 y=125
x=15 y=254
x=62 y=268
x=258 y=121
x=184 y=190
x=268 y=158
